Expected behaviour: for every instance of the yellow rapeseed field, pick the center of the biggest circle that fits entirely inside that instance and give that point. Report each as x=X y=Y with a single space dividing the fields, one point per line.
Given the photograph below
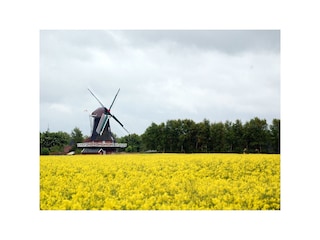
x=160 y=182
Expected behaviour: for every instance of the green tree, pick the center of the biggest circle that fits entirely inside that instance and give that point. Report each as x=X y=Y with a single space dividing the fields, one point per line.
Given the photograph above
x=173 y=131
x=153 y=138
x=134 y=142
x=218 y=136
x=44 y=151
x=275 y=135
x=188 y=136
x=203 y=136
x=76 y=137
x=53 y=141
x=256 y=135
x=229 y=136
x=236 y=137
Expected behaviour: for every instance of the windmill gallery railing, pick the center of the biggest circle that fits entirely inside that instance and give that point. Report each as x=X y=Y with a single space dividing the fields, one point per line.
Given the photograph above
x=101 y=144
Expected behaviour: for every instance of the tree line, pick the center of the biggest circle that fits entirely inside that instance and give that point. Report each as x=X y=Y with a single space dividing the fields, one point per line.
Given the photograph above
x=60 y=142
x=187 y=136
x=184 y=136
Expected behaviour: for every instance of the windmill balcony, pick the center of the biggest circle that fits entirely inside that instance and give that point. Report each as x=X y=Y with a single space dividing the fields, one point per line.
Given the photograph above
x=102 y=144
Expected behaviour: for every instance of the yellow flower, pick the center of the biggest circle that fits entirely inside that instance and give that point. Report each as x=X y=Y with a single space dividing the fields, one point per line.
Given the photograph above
x=160 y=181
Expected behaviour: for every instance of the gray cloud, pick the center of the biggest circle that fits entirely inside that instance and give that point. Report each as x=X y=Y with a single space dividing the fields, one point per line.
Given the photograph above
x=218 y=75
x=228 y=41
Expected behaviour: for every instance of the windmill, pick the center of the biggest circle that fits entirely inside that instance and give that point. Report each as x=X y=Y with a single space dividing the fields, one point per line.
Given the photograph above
x=102 y=139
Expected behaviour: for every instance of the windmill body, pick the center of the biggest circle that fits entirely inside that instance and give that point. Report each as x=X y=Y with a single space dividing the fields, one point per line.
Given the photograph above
x=101 y=126
x=102 y=140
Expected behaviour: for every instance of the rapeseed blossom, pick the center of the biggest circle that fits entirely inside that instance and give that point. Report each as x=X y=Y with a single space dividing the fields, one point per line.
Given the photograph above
x=160 y=182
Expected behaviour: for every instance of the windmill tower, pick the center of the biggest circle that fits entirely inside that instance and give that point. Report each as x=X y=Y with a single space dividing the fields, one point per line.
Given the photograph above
x=102 y=140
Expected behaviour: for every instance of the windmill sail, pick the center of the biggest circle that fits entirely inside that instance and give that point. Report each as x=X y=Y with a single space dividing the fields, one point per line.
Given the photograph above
x=114 y=100
x=96 y=98
x=102 y=123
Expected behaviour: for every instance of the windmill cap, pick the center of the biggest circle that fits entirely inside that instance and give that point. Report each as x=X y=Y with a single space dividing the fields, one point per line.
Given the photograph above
x=98 y=112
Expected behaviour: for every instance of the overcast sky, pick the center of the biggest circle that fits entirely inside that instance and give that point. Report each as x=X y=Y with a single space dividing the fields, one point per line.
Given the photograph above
x=163 y=75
